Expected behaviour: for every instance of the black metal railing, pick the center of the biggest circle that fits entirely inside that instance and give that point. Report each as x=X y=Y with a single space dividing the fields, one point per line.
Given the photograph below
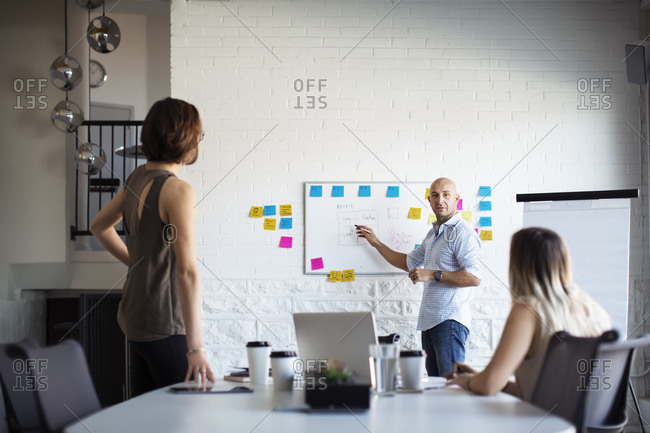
x=118 y=139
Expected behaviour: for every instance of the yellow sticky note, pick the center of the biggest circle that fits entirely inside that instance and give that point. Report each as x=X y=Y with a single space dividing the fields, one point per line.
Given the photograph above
x=467 y=215
x=432 y=218
x=257 y=211
x=486 y=235
x=414 y=213
x=285 y=210
x=336 y=276
x=269 y=223
x=426 y=194
x=348 y=275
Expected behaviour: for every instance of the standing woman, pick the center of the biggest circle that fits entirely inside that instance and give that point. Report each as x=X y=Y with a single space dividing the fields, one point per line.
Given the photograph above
x=544 y=301
x=160 y=310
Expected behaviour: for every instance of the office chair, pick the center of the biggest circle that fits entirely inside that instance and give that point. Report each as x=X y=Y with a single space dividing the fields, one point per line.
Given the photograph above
x=585 y=379
x=64 y=389
x=21 y=411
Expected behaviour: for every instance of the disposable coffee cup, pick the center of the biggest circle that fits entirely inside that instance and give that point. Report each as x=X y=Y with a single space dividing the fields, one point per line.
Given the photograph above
x=258 y=362
x=411 y=365
x=282 y=370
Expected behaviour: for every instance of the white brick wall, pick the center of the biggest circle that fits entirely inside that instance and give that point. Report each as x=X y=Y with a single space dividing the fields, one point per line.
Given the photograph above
x=437 y=88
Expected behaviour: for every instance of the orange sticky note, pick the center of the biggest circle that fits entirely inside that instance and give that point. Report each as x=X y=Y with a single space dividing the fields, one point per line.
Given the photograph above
x=414 y=213
x=348 y=275
x=467 y=215
x=336 y=276
x=486 y=235
x=285 y=210
x=269 y=223
x=257 y=211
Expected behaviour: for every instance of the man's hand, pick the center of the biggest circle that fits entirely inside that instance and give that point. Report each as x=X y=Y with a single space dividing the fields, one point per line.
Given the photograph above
x=418 y=275
x=369 y=235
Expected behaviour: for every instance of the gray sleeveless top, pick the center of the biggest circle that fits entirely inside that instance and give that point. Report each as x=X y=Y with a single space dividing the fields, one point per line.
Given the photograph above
x=150 y=308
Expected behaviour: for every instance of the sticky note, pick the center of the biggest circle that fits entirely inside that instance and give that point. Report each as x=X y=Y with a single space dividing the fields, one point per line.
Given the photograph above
x=364 y=190
x=269 y=223
x=336 y=276
x=348 y=275
x=316 y=191
x=392 y=191
x=485 y=205
x=432 y=218
x=416 y=246
x=467 y=215
x=426 y=194
x=269 y=210
x=486 y=235
x=285 y=210
x=337 y=191
x=317 y=263
x=286 y=223
x=484 y=191
x=257 y=212
x=286 y=241
x=414 y=213
x=476 y=230
x=459 y=205
x=485 y=222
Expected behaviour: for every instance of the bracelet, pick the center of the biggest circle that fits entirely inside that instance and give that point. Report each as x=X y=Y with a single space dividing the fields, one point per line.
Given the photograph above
x=196 y=349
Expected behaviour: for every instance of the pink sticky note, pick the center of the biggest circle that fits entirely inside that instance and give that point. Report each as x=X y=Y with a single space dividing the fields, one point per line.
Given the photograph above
x=286 y=241
x=459 y=206
x=476 y=230
x=317 y=263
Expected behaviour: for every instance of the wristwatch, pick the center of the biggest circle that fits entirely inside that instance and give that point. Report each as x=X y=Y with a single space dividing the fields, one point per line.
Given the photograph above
x=437 y=275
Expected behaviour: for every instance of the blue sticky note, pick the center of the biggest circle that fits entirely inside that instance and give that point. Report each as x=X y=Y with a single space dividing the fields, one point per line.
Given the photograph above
x=416 y=246
x=392 y=191
x=269 y=210
x=337 y=191
x=485 y=221
x=484 y=191
x=485 y=205
x=364 y=190
x=316 y=191
x=286 y=223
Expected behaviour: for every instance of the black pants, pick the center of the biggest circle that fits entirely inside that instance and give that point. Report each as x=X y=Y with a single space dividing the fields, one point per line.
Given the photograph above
x=156 y=364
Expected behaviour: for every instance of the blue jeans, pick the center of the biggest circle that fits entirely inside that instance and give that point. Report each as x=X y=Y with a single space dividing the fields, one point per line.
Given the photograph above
x=444 y=345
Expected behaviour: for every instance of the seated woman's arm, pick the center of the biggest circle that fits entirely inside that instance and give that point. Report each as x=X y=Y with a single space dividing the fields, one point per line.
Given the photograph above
x=515 y=343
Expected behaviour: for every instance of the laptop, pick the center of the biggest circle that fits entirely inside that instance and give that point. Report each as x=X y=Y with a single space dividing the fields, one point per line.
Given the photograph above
x=341 y=336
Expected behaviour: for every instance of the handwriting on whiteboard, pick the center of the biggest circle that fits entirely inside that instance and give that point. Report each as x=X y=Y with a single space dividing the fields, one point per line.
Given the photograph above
x=348 y=231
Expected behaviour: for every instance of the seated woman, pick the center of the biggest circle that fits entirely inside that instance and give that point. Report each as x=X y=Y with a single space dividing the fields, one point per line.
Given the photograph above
x=544 y=301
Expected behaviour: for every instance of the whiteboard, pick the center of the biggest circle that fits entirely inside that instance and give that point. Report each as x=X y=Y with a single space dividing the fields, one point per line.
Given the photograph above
x=330 y=232
x=597 y=233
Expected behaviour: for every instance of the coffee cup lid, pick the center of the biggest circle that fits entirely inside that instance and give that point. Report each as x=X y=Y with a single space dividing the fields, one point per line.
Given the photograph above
x=283 y=354
x=258 y=344
x=410 y=353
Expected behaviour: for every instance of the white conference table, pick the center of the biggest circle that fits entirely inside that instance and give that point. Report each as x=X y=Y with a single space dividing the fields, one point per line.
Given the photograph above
x=436 y=410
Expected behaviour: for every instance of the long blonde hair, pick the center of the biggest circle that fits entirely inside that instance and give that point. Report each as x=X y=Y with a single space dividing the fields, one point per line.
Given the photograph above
x=540 y=276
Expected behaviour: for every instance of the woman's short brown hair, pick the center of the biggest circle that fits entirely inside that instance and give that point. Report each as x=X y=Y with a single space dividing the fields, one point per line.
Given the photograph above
x=171 y=131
